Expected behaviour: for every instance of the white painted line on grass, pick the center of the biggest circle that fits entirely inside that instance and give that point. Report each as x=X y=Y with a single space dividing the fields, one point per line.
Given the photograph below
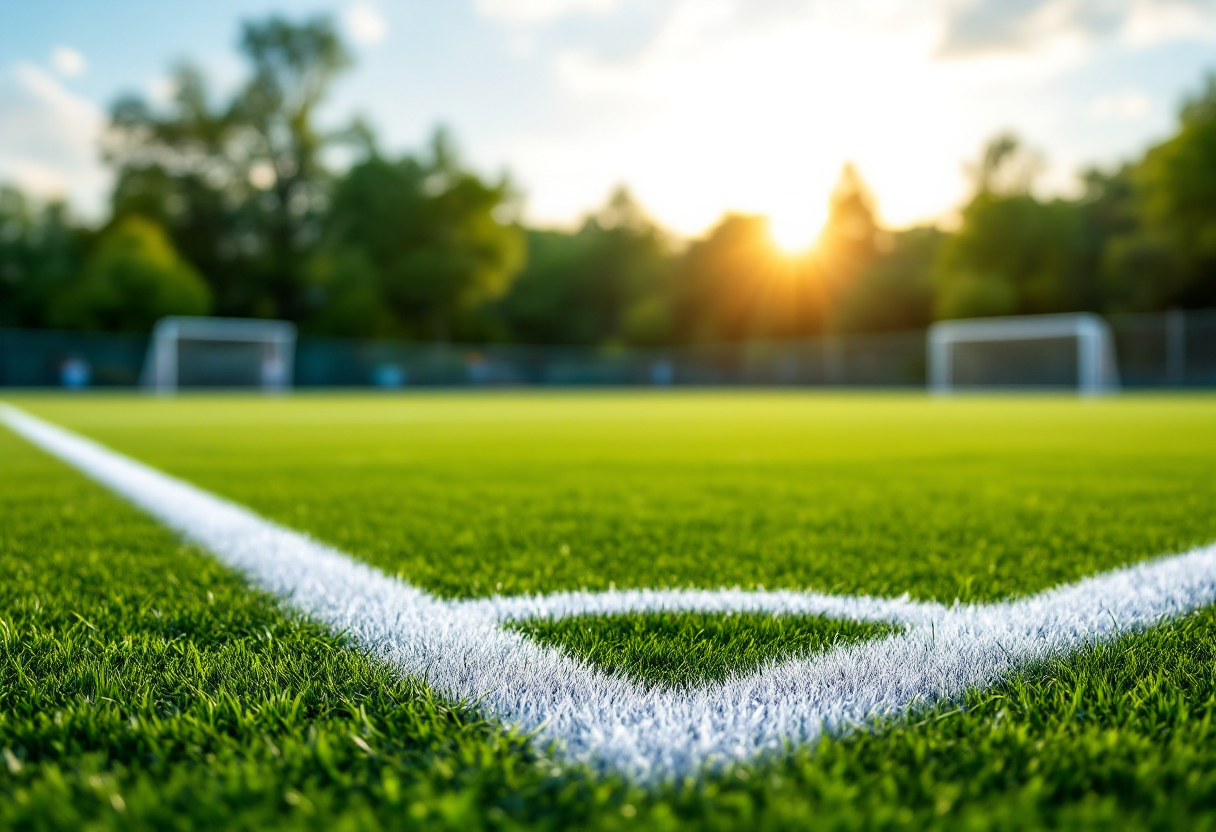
x=461 y=649
x=779 y=602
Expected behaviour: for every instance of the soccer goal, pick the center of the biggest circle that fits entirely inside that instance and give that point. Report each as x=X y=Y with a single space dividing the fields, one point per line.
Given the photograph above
x=1072 y=351
x=218 y=353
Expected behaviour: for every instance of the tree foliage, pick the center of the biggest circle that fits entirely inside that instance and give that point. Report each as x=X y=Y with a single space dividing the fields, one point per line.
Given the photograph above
x=850 y=238
x=1174 y=249
x=734 y=284
x=419 y=239
x=895 y=290
x=134 y=277
x=605 y=282
x=1015 y=253
x=240 y=185
x=237 y=204
x=41 y=250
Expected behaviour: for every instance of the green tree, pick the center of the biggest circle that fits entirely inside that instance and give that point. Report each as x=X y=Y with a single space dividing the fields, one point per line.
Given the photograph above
x=734 y=285
x=1170 y=259
x=349 y=296
x=176 y=168
x=895 y=290
x=1007 y=167
x=294 y=66
x=133 y=278
x=433 y=239
x=850 y=238
x=1140 y=271
x=604 y=283
x=240 y=186
x=41 y=250
x=1016 y=254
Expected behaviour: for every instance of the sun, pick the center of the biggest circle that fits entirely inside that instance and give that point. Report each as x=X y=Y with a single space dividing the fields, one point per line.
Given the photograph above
x=794 y=232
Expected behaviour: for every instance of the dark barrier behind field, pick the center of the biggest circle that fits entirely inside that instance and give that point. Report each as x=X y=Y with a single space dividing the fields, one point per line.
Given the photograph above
x=1175 y=349
x=48 y=358
x=877 y=360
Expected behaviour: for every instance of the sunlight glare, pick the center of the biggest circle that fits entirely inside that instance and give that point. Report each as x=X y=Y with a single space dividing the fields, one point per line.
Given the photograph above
x=774 y=113
x=794 y=232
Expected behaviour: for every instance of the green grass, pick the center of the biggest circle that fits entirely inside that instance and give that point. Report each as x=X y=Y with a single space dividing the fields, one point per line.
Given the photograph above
x=884 y=494
x=136 y=668
x=144 y=685
x=680 y=649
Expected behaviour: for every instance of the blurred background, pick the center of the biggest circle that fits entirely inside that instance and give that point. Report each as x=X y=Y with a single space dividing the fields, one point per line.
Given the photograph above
x=604 y=191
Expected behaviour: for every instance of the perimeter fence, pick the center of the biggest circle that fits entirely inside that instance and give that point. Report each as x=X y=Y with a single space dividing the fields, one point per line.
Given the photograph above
x=1174 y=349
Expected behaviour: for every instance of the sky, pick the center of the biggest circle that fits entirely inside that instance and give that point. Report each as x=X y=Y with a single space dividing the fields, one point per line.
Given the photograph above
x=698 y=106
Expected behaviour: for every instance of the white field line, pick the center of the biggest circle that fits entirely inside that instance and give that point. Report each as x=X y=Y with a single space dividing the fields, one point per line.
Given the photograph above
x=462 y=651
x=780 y=602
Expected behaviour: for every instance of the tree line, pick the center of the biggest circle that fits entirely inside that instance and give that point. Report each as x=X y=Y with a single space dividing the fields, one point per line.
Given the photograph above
x=246 y=207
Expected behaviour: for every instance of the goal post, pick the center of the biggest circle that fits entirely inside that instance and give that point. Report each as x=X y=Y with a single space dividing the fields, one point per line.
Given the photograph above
x=1073 y=350
x=187 y=352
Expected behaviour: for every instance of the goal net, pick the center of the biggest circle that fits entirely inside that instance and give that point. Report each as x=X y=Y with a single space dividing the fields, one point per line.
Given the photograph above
x=1072 y=351
x=218 y=353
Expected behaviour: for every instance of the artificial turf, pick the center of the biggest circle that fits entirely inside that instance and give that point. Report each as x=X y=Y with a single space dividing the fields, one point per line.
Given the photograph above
x=883 y=494
x=676 y=650
x=143 y=686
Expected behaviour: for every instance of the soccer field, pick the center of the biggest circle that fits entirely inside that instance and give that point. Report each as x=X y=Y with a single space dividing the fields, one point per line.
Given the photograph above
x=145 y=684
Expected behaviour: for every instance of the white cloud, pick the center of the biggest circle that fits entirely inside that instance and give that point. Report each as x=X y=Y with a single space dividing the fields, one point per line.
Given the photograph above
x=1124 y=106
x=729 y=108
x=67 y=61
x=364 y=23
x=982 y=26
x=49 y=142
x=755 y=106
x=540 y=11
x=1151 y=22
